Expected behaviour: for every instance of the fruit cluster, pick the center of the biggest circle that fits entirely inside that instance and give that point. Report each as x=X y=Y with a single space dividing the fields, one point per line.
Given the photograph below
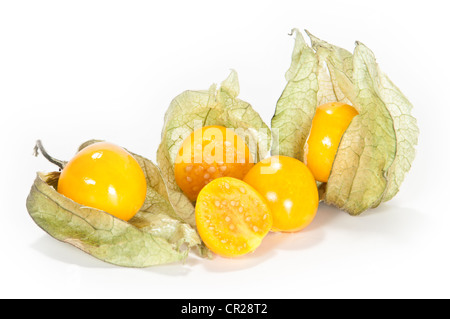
x=342 y=133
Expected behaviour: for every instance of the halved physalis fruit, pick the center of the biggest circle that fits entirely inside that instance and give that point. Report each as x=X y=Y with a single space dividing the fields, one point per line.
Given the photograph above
x=232 y=217
x=209 y=153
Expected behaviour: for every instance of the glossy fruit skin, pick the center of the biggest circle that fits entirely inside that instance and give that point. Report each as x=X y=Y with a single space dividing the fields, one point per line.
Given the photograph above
x=329 y=124
x=106 y=177
x=232 y=217
x=290 y=190
x=209 y=153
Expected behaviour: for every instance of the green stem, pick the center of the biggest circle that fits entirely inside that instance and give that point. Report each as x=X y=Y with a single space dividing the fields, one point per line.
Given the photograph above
x=40 y=148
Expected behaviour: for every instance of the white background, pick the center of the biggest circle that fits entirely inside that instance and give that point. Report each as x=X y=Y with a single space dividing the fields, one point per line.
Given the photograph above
x=75 y=70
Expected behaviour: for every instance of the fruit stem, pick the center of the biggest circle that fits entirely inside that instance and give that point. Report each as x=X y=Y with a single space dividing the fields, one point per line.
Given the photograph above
x=40 y=147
